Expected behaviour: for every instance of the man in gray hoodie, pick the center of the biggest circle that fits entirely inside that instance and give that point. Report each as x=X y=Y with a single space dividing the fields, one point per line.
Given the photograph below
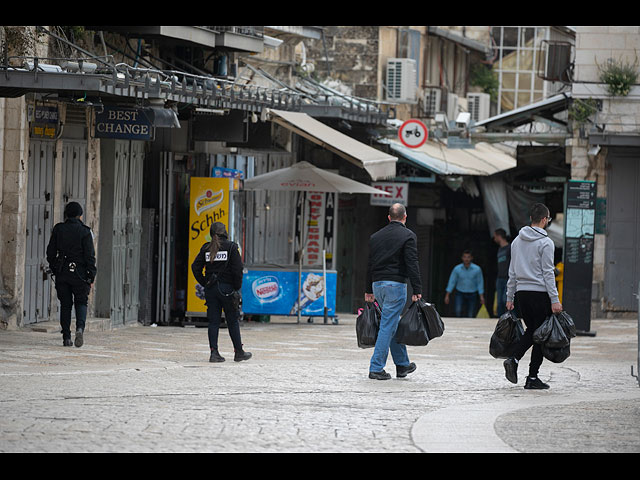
x=532 y=285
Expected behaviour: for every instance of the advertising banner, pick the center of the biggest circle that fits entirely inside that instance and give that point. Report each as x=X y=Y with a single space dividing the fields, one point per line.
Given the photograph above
x=209 y=203
x=275 y=292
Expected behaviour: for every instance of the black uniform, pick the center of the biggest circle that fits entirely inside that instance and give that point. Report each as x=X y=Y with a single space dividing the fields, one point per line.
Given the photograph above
x=72 y=259
x=222 y=279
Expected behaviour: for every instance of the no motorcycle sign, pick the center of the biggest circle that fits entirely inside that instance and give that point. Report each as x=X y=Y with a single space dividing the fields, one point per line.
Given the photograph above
x=413 y=133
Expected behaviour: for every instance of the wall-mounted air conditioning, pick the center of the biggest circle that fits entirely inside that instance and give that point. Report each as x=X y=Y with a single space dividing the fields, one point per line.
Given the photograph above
x=431 y=102
x=479 y=105
x=402 y=77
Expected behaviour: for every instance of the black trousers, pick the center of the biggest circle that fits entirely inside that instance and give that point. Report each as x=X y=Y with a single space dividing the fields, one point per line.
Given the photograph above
x=218 y=297
x=533 y=308
x=72 y=291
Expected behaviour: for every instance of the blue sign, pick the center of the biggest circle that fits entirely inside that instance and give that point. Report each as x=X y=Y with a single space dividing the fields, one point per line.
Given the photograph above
x=123 y=124
x=273 y=292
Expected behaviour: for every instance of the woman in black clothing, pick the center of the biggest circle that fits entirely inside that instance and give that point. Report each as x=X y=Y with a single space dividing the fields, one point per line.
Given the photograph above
x=222 y=280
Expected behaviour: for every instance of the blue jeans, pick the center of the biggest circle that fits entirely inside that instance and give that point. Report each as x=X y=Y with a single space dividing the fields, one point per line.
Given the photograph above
x=465 y=304
x=501 y=291
x=392 y=297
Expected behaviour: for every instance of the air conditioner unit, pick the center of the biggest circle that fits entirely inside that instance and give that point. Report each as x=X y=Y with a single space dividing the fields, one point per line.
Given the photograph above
x=431 y=102
x=402 y=83
x=452 y=105
x=478 y=105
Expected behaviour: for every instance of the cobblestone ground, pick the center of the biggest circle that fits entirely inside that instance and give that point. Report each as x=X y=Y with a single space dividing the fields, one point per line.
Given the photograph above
x=144 y=389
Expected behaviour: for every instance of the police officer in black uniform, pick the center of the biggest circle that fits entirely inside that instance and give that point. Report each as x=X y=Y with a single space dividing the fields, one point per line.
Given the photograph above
x=72 y=259
x=222 y=280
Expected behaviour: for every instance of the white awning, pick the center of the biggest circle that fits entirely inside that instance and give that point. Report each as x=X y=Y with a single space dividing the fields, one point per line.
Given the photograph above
x=482 y=160
x=378 y=164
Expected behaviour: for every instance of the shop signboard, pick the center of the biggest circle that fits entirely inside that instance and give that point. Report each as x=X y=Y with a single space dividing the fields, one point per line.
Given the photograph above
x=123 y=124
x=209 y=203
x=274 y=292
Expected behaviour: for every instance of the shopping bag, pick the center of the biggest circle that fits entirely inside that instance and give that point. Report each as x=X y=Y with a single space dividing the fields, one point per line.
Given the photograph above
x=507 y=334
x=483 y=312
x=367 y=325
x=412 y=328
x=567 y=324
x=551 y=334
x=556 y=355
x=434 y=324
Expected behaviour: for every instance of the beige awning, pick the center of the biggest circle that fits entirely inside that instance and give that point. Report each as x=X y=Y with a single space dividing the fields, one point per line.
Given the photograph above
x=378 y=164
x=482 y=160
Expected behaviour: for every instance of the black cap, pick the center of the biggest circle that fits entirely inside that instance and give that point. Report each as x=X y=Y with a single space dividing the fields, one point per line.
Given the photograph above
x=73 y=210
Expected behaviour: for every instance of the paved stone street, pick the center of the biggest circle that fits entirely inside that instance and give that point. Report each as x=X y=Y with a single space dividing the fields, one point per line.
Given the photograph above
x=151 y=389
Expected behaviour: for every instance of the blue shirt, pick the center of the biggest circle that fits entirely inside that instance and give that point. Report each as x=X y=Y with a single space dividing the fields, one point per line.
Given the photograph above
x=466 y=280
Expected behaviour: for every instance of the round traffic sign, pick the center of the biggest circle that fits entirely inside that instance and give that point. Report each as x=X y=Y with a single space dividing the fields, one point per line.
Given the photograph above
x=413 y=133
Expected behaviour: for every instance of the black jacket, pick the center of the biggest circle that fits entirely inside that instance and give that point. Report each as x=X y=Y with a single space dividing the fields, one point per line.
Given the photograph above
x=393 y=255
x=72 y=241
x=227 y=267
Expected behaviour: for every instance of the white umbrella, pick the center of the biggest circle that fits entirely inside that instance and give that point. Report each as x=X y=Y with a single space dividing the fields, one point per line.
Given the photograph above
x=303 y=176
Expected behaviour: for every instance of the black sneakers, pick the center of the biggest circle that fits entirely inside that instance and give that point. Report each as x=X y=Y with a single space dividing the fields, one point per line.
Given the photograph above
x=66 y=342
x=381 y=375
x=534 y=383
x=402 y=372
x=511 y=369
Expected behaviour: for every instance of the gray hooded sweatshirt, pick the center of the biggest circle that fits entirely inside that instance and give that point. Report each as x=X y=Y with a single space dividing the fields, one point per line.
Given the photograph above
x=531 y=266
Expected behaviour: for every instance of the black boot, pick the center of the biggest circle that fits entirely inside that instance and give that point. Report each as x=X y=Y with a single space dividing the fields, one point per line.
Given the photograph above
x=66 y=342
x=79 y=338
x=215 y=356
x=241 y=355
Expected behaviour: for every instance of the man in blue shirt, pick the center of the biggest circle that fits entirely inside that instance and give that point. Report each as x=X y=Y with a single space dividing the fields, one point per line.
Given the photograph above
x=467 y=281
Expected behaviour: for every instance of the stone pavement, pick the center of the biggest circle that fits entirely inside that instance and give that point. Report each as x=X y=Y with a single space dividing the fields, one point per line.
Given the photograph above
x=151 y=389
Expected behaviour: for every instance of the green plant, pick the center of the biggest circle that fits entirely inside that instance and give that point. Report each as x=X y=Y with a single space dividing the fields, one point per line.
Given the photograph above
x=580 y=110
x=619 y=76
x=485 y=78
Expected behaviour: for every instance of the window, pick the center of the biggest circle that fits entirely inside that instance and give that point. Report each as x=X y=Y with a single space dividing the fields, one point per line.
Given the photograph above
x=515 y=65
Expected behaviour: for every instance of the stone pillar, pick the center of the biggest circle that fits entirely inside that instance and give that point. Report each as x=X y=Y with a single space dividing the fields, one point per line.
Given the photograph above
x=14 y=155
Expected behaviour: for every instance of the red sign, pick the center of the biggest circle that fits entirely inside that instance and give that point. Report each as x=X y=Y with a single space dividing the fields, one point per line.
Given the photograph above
x=413 y=133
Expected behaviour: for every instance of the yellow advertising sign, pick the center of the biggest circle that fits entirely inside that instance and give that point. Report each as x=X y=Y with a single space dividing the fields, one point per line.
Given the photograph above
x=209 y=203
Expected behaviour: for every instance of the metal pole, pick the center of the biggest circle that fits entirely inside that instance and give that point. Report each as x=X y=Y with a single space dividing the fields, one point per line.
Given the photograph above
x=324 y=279
x=638 y=364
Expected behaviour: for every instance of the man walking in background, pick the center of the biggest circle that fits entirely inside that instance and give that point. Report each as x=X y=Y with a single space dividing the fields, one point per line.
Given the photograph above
x=393 y=258
x=504 y=258
x=467 y=281
x=532 y=284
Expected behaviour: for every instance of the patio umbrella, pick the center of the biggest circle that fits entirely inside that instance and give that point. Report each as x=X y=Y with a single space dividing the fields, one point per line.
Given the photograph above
x=303 y=176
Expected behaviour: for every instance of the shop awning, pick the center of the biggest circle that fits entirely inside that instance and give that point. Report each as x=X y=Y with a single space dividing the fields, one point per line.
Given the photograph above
x=482 y=160
x=378 y=164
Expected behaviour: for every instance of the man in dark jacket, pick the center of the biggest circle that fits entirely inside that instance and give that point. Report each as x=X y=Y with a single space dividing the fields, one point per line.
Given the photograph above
x=72 y=259
x=393 y=258
x=222 y=280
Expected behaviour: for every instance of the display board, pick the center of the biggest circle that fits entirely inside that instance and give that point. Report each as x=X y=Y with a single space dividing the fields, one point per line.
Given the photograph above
x=579 y=231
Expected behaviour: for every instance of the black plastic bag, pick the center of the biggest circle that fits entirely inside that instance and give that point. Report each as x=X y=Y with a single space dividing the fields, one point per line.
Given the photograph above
x=566 y=322
x=556 y=355
x=412 y=328
x=507 y=334
x=551 y=334
x=367 y=325
x=433 y=322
